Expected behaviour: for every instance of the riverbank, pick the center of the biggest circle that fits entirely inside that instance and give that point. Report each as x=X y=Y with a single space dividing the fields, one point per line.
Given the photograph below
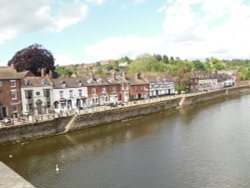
x=102 y=116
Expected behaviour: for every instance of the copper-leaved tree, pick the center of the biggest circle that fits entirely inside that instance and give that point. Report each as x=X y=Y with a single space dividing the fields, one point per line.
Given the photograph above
x=33 y=58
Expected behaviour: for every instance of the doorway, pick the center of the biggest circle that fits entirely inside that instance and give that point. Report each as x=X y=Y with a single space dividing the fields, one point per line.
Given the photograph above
x=5 y=111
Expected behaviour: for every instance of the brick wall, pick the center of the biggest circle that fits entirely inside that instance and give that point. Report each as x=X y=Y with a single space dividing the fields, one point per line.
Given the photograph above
x=6 y=103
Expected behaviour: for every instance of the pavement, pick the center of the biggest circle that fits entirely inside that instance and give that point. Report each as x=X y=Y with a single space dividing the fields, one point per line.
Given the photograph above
x=10 y=179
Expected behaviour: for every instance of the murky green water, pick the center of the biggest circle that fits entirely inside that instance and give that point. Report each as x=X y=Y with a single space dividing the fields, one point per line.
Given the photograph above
x=206 y=145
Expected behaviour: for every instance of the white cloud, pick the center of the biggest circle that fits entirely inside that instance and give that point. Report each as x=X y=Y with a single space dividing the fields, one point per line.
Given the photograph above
x=139 y=1
x=97 y=2
x=30 y=16
x=192 y=29
x=115 y=47
x=161 y=9
x=61 y=60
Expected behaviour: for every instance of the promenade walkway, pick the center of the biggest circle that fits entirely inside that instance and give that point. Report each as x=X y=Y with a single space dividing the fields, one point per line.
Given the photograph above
x=51 y=116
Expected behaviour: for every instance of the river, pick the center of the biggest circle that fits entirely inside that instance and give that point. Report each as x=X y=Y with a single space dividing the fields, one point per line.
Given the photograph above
x=206 y=145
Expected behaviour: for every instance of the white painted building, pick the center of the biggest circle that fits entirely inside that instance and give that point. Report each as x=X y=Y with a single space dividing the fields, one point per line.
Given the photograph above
x=36 y=95
x=160 y=85
x=69 y=94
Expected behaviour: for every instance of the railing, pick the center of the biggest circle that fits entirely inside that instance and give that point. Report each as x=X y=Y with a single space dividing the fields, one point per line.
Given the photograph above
x=51 y=116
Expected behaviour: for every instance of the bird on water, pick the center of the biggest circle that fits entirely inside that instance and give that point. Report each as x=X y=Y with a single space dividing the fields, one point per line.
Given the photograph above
x=57 y=168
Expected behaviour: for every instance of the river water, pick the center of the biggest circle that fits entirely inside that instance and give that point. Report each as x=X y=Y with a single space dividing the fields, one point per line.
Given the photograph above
x=207 y=145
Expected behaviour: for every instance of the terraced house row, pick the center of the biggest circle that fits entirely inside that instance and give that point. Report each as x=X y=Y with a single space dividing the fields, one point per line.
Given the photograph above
x=23 y=93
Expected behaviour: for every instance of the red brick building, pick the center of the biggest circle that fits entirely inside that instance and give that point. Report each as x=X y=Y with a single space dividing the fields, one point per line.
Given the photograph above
x=10 y=92
x=103 y=90
x=138 y=87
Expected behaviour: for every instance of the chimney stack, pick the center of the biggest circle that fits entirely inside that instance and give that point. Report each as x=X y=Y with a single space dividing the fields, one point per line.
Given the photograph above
x=138 y=75
x=124 y=75
x=12 y=66
x=114 y=75
x=92 y=76
x=51 y=75
x=42 y=72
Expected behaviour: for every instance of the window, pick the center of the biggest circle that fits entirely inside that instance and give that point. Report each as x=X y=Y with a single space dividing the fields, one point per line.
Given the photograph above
x=80 y=92
x=61 y=94
x=104 y=90
x=37 y=93
x=1 y=83
x=48 y=104
x=13 y=83
x=93 y=91
x=13 y=94
x=14 y=108
x=46 y=93
x=114 y=89
x=28 y=94
x=71 y=93
x=31 y=107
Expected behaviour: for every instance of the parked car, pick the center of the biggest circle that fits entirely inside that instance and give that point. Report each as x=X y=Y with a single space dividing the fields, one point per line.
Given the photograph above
x=115 y=103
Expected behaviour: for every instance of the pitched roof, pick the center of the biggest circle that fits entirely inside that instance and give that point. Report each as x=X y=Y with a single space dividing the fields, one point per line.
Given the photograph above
x=158 y=77
x=138 y=79
x=68 y=82
x=35 y=82
x=7 y=73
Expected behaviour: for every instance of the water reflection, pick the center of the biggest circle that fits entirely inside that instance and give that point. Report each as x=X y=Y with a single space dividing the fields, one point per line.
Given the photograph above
x=200 y=146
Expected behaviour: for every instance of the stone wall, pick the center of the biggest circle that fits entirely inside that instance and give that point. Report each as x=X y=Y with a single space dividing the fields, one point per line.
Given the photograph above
x=118 y=114
x=19 y=133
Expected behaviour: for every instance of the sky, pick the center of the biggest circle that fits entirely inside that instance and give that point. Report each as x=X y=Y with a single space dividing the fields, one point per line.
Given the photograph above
x=87 y=31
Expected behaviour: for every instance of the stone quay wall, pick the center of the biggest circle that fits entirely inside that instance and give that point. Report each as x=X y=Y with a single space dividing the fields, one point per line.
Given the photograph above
x=61 y=125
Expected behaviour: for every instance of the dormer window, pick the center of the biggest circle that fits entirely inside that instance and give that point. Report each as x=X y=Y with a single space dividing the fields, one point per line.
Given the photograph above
x=79 y=83
x=44 y=82
x=63 y=84
x=99 y=80
x=27 y=83
x=90 y=81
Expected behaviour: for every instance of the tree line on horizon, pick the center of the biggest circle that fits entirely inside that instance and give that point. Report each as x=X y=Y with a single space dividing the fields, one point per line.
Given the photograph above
x=35 y=57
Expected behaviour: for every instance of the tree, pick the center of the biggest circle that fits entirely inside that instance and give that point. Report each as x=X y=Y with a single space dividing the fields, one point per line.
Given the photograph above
x=63 y=71
x=158 y=57
x=33 y=58
x=172 y=59
x=146 y=63
x=165 y=59
x=199 y=66
x=183 y=79
x=218 y=66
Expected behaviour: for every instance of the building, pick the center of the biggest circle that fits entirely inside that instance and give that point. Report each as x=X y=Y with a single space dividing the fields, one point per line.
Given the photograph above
x=160 y=85
x=138 y=87
x=234 y=74
x=37 y=95
x=69 y=94
x=10 y=91
x=202 y=81
x=103 y=90
x=124 y=87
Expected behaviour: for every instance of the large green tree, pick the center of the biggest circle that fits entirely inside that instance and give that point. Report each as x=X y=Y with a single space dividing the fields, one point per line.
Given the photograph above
x=33 y=58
